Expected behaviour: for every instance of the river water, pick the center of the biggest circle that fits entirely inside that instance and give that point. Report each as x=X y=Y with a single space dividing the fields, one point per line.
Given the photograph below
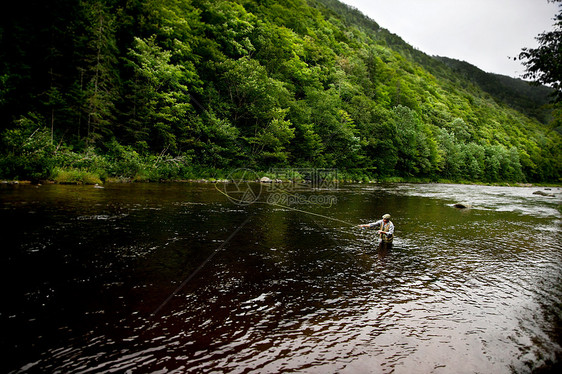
x=183 y=278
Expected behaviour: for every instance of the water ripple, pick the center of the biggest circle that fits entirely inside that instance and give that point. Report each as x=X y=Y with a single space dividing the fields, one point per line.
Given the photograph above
x=479 y=289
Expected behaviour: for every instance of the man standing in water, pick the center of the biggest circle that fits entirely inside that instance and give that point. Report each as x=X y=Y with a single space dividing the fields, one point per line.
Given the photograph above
x=385 y=226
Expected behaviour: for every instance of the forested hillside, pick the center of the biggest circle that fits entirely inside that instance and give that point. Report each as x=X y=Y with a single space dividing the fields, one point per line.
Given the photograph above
x=518 y=94
x=166 y=89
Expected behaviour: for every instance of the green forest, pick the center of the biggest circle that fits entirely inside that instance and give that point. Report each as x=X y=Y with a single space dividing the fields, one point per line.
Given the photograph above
x=149 y=90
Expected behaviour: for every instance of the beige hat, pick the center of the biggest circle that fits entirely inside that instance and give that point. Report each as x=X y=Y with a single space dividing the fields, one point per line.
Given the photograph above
x=386 y=216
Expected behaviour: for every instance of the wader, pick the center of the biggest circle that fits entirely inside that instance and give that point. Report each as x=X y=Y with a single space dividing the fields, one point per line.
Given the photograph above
x=384 y=237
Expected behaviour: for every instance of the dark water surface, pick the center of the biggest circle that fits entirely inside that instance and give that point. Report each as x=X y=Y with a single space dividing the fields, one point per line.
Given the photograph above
x=176 y=278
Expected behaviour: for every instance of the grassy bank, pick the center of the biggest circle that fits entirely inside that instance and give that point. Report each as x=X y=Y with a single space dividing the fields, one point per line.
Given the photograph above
x=148 y=172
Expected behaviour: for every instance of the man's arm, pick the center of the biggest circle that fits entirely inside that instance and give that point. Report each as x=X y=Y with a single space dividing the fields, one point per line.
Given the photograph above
x=369 y=225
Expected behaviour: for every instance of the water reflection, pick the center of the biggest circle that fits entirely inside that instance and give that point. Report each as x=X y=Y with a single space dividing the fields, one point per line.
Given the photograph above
x=263 y=288
x=383 y=250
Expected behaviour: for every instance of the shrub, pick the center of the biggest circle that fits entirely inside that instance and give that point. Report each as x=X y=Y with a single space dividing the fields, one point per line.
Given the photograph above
x=28 y=150
x=75 y=176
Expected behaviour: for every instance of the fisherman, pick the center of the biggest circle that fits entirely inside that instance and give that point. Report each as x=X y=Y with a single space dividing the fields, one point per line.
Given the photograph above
x=385 y=226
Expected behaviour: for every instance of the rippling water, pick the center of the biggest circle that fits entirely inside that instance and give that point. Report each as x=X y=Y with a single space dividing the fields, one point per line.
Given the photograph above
x=177 y=278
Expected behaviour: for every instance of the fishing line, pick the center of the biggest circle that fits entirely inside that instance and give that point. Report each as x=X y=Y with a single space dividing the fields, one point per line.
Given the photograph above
x=362 y=232
x=337 y=242
x=194 y=273
x=354 y=233
x=242 y=202
x=307 y=212
x=224 y=243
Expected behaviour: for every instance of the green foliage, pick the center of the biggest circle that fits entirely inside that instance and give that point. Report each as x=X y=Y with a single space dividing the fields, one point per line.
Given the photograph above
x=174 y=89
x=521 y=95
x=28 y=150
x=543 y=64
x=161 y=95
x=75 y=176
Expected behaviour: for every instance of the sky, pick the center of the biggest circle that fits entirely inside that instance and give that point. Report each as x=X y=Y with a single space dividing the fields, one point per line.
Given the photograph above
x=484 y=33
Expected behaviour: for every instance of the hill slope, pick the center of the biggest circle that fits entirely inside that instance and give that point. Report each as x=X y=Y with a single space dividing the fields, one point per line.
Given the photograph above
x=519 y=94
x=164 y=89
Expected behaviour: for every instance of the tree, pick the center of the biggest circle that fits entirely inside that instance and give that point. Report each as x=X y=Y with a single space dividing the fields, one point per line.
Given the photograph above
x=255 y=83
x=257 y=104
x=544 y=64
x=451 y=157
x=162 y=95
x=100 y=61
x=28 y=150
x=412 y=143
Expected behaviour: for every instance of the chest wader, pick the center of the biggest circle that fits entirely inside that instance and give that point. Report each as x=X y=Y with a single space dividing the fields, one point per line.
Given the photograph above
x=386 y=238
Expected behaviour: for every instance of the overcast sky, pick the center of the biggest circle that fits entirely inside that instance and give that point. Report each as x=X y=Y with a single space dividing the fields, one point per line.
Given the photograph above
x=481 y=32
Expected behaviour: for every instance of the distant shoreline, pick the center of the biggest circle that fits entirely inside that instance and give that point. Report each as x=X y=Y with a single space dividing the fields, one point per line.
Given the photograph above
x=222 y=181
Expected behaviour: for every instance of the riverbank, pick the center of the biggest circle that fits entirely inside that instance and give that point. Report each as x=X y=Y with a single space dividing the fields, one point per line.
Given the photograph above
x=97 y=181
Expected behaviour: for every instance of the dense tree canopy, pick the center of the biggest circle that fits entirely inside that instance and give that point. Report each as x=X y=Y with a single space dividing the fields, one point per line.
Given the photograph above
x=173 y=88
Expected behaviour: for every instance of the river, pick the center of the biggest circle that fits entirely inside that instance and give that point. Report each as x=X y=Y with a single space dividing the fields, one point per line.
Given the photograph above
x=190 y=277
